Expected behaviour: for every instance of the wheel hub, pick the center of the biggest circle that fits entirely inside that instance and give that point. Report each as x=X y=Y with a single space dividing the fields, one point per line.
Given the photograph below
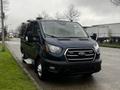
x=39 y=70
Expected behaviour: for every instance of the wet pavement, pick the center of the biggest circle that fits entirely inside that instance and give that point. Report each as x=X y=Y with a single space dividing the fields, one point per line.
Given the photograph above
x=107 y=79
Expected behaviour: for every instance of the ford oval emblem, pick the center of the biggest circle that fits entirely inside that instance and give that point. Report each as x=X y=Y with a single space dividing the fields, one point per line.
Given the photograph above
x=81 y=53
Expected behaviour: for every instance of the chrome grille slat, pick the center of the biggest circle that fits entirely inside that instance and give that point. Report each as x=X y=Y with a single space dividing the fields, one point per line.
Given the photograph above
x=89 y=54
x=85 y=55
x=80 y=54
x=81 y=59
x=82 y=51
x=72 y=55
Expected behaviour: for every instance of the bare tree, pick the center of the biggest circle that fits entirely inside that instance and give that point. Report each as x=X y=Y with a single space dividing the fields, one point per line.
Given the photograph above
x=3 y=4
x=116 y=2
x=6 y=3
x=5 y=7
x=72 y=13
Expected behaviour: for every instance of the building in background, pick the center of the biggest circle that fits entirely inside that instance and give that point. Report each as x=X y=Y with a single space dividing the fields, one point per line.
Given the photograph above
x=105 y=32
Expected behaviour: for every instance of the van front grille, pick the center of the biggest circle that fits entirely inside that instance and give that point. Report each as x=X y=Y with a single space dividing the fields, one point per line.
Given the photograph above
x=73 y=55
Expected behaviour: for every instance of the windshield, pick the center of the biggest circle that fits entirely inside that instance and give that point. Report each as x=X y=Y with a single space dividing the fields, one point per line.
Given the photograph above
x=63 y=29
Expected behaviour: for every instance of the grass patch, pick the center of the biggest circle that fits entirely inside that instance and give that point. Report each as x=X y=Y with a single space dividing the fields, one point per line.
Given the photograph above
x=12 y=77
x=111 y=45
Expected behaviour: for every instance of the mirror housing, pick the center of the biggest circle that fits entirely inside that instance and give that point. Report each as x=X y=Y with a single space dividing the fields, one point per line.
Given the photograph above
x=35 y=39
x=32 y=38
x=94 y=36
x=29 y=37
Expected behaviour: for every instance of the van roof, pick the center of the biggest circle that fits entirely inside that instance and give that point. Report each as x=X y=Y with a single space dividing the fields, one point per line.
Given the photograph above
x=53 y=20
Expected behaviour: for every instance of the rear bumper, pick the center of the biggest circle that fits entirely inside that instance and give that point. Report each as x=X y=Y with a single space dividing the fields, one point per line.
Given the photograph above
x=72 y=68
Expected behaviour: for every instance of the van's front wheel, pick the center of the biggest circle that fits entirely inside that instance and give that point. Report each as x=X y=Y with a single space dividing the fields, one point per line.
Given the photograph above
x=41 y=71
x=87 y=74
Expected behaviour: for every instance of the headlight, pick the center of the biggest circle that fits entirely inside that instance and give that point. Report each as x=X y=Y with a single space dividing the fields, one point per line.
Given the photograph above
x=54 y=49
x=97 y=49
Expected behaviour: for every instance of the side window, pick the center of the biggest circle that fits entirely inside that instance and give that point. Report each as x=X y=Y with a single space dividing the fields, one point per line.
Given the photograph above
x=22 y=30
x=28 y=32
x=35 y=29
x=32 y=32
x=36 y=32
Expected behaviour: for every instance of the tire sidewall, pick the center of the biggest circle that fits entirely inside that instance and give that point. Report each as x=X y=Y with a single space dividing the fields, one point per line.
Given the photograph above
x=43 y=71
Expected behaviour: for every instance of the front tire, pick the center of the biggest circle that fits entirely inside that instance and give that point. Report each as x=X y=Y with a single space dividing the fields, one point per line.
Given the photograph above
x=41 y=71
x=87 y=75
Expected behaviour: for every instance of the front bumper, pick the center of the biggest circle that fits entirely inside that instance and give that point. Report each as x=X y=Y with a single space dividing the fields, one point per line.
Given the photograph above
x=72 y=68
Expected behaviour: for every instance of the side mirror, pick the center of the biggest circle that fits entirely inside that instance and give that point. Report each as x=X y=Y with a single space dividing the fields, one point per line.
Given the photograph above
x=29 y=37
x=35 y=38
x=94 y=36
x=32 y=38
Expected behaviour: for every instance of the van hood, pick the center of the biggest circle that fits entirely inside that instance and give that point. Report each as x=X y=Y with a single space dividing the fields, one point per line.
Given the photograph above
x=71 y=42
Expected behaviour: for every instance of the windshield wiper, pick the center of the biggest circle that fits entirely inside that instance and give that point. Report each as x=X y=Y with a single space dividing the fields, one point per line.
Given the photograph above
x=75 y=37
x=64 y=37
x=51 y=36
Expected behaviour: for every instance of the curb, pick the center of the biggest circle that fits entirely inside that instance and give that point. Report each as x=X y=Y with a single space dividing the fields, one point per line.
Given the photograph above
x=24 y=69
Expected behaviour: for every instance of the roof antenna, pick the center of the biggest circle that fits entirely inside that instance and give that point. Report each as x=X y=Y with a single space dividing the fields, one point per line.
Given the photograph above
x=39 y=18
x=29 y=20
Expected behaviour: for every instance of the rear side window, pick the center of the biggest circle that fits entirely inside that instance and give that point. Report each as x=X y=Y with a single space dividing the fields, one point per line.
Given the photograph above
x=23 y=29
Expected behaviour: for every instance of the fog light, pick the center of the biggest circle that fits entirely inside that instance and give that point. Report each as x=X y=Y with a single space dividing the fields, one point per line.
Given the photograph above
x=52 y=68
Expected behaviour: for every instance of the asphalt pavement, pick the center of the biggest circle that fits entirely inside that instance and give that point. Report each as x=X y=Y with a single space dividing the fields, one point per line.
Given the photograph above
x=107 y=79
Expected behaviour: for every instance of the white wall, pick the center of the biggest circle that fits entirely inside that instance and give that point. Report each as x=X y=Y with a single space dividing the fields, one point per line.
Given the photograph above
x=103 y=30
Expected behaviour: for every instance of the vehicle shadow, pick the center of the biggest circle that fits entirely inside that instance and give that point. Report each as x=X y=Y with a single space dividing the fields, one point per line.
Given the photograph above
x=56 y=82
x=71 y=83
x=70 y=79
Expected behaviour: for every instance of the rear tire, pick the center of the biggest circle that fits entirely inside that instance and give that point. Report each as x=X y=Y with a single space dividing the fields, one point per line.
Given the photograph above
x=23 y=58
x=23 y=61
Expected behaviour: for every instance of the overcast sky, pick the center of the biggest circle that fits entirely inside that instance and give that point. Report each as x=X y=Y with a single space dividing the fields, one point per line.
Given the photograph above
x=92 y=11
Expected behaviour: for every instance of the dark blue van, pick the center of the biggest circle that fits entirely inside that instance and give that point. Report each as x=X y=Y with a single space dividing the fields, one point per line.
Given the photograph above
x=59 y=47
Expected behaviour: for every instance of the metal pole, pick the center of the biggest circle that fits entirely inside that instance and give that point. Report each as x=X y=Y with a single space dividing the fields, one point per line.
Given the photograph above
x=2 y=24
